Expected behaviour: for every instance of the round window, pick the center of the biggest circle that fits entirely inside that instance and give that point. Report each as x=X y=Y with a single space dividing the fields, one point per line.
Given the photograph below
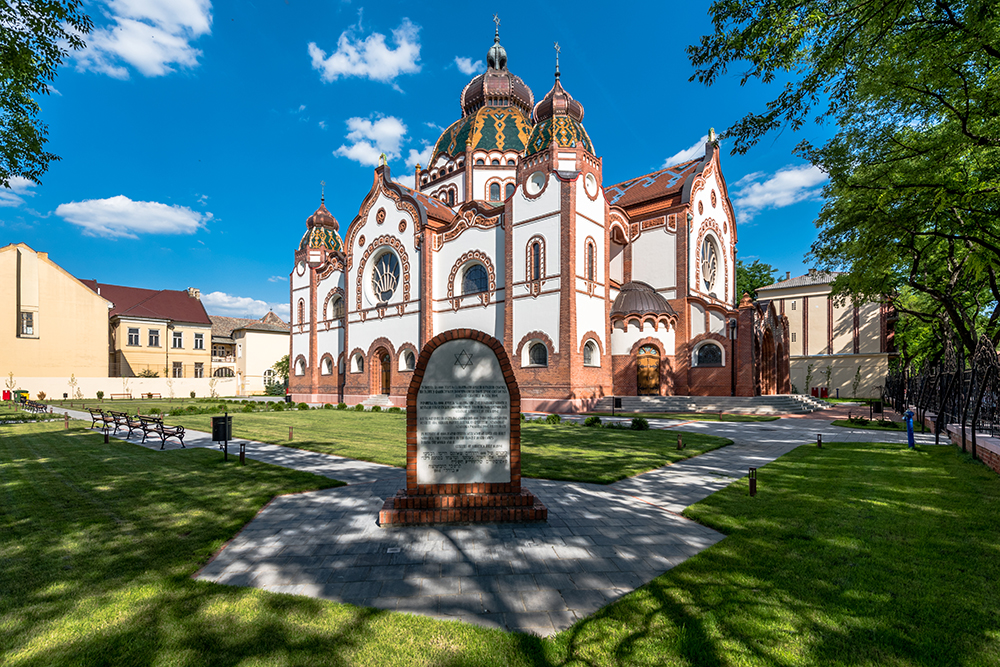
x=385 y=276
x=590 y=185
x=535 y=183
x=709 y=264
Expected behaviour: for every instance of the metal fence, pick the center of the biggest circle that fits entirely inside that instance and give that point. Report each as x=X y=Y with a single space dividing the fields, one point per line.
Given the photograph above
x=960 y=391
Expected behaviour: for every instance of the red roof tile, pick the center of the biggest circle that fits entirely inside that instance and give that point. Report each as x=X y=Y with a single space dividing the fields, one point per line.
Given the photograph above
x=176 y=305
x=659 y=184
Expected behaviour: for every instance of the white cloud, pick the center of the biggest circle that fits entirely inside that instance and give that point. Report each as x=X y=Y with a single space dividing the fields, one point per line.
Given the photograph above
x=277 y=279
x=302 y=108
x=370 y=138
x=756 y=192
x=220 y=303
x=13 y=194
x=119 y=216
x=468 y=66
x=322 y=125
x=421 y=157
x=370 y=58
x=153 y=36
x=694 y=151
x=409 y=180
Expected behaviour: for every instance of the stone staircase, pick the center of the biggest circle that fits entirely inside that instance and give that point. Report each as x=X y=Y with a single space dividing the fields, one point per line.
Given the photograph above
x=782 y=404
x=378 y=399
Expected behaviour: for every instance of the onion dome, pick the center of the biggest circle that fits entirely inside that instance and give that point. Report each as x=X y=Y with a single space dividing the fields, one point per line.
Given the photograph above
x=321 y=231
x=639 y=298
x=558 y=118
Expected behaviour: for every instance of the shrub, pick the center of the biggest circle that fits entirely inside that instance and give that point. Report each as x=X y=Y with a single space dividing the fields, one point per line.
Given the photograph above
x=327 y=406
x=376 y=408
x=221 y=407
x=302 y=406
x=359 y=407
x=100 y=395
x=616 y=425
x=395 y=408
x=523 y=417
x=553 y=419
x=192 y=394
x=247 y=408
x=41 y=395
x=592 y=420
x=341 y=406
x=192 y=409
x=147 y=373
x=278 y=407
x=154 y=411
x=640 y=424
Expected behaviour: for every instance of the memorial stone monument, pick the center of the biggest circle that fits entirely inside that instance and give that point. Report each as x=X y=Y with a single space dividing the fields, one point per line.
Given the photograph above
x=463 y=437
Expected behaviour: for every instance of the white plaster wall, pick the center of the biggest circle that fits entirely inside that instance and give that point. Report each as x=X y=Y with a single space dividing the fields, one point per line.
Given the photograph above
x=372 y=230
x=55 y=387
x=335 y=279
x=481 y=175
x=716 y=322
x=724 y=236
x=261 y=349
x=549 y=229
x=394 y=329
x=617 y=263
x=567 y=161
x=537 y=314
x=622 y=341
x=300 y=345
x=547 y=202
x=593 y=209
x=300 y=276
x=331 y=341
x=489 y=241
x=457 y=179
x=488 y=319
x=654 y=258
x=590 y=316
x=697 y=320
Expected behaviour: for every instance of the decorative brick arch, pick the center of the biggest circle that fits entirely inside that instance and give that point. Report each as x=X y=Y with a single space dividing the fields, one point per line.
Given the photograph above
x=591 y=335
x=539 y=336
x=708 y=339
x=375 y=364
x=355 y=353
x=336 y=291
x=666 y=372
x=386 y=240
x=403 y=349
x=304 y=366
x=707 y=226
x=333 y=367
x=589 y=245
x=472 y=256
x=535 y=284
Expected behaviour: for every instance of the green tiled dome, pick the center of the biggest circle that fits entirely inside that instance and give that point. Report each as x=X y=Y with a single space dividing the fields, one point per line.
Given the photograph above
x=322 y=237
x=489 y=128
x=563 y=130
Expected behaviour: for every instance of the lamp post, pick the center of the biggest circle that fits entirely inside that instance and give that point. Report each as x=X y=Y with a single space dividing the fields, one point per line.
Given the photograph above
x=732 y=353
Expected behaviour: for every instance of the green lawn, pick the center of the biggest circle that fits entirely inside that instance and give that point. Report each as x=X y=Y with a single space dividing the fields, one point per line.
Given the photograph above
x=691 y=416
x=854 y=554
x=563 y=451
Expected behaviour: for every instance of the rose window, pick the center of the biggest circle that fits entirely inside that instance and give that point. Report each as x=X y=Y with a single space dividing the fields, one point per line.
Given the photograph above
x=709 y=264
x=385 y=276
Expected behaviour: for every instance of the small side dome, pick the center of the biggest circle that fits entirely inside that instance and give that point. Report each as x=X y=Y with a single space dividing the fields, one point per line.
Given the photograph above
x=321 y=231
x=322 y=217
x=639 y=298
x=558 y=118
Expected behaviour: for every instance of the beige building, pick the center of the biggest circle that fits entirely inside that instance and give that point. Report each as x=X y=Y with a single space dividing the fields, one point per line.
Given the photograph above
x=166 y=332
x=247 y=349
x=842 y=340
x=53 y=325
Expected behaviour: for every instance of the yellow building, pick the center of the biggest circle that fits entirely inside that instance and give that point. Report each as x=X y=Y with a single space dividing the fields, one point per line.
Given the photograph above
x=166 y=332
x=247 y=349
x=852 y=342
x=53 y=326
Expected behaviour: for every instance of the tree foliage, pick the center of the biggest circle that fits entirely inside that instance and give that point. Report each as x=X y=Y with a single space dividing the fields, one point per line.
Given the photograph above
x=913 y=87
x=35 y=37
x=281 y=368
x=751 y=277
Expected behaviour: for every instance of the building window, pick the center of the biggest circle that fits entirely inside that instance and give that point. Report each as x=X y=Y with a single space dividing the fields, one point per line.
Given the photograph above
x=480 y=161
x=199 y=369
x=409 y=361
x=154 y=338
x=301 y=311
x=451 y=197
x=591 y=355
x=510 y=163
x=793 y=336
x=591 y=254
x=475 y=279
x=709 y=264
x=494 y=192
x=300 y=366
x=178 y=340
x=133 y=336
x=357 y=364
x=793 y=305
x=327 y=367
x=337 y=308
x=709 y=355
x=27 y=324
x=538 y=355
x=178 y=370
x=385 y=276
x=199 y=341
x=227 y=373
x=495 y=163
x=535 y=266
x=508 y=191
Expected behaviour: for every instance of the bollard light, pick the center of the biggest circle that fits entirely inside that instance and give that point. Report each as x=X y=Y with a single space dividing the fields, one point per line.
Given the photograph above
x=289 y=433
x=680 y=441
x=66 y=420
x=243 y=453
x=753 y=481
x=819 y=440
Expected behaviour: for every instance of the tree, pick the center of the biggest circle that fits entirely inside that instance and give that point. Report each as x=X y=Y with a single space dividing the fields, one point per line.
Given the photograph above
x=913 y=88
x=751 y=277
x=34 y=37
x=281 y=368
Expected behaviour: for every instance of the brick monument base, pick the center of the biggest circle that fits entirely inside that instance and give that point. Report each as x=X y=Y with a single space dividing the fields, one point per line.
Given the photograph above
x=463 y=438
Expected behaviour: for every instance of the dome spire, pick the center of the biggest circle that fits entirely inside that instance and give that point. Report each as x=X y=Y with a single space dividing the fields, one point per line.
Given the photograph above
x=557 y=59
x=496 y=57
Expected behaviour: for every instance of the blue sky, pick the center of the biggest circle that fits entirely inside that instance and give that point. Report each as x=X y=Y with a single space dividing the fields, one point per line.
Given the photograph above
x=194 y=134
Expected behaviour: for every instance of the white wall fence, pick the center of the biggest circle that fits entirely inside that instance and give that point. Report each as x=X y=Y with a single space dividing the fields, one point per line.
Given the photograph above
x=54 y=388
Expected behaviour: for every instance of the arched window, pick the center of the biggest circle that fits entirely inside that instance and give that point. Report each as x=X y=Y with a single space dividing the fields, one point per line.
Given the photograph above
x=709 y=354
x=301 y=311
x=336 y=308
x=495 y=163
x=475 y=279
x=357 y=364
x=300 y=366
x=494 y=192
x=385 y=276
x=536 y=261
x=510 y=163
x=409 y=361
x=709 y=263
x=269 y=376
x=591 y=252
x=538 y=355
x=451 y=197
x=480 y=161
x=224 y=372
x=326 y=367
x=591 y=355
x=509 y=191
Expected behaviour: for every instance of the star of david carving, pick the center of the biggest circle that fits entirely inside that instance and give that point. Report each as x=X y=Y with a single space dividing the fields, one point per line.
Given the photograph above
x=463 y=359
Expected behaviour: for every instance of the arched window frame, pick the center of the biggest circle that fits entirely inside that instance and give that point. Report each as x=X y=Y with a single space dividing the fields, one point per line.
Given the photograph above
x=592 y=348
x=407 y=360
x=300 y=312
x=534 y=266
x=326 y=365
x=357 y=363
x=697 y=350
x=485 y=278
x=537 y=354
x=224 y=372
x=299 y=367
x=494 y=191
x=590 y=259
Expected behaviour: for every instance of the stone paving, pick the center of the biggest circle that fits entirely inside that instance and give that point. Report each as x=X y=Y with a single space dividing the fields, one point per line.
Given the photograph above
x=600 y=542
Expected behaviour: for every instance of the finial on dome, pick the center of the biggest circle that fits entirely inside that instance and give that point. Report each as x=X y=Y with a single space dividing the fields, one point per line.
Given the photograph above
x=496 y=57
x=322 y=192
x=496 y=35
x=711 y=135
x=557 y=59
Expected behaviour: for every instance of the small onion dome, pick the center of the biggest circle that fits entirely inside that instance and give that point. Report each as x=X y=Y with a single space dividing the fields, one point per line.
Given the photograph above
x=557 y=102
x=639 y=298
x=496 y=87
x=321 y=231
x=558 y=118
x=489 y=128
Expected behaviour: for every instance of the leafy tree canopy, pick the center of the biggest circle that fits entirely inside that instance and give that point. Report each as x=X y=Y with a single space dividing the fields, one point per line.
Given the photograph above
x=281 y=368
x=751 y=277
x=34 y=38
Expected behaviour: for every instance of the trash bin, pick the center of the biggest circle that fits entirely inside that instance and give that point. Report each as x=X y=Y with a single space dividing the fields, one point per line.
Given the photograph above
x=21 y=395
x=6 y=394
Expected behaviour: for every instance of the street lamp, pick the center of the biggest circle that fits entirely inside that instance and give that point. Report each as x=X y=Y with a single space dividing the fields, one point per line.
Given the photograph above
x=732 y=353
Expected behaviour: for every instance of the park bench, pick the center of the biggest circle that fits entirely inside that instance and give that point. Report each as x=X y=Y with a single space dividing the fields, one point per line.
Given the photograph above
x=100 y=416
x=155 y=426
x=34 y=406
x=120 y=420
x=126 y=397
x=149 y=396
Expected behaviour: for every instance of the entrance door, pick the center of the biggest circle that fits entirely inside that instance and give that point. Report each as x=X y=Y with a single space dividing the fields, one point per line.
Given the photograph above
x=648 y=369
x=385 y=373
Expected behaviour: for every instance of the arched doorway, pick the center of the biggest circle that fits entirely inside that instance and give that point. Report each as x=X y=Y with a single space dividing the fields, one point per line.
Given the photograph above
x=386 y=367
x=647 y=364
x=768 y=366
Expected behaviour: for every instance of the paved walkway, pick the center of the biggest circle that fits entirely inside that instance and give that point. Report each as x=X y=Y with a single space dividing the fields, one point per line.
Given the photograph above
x=600 y=542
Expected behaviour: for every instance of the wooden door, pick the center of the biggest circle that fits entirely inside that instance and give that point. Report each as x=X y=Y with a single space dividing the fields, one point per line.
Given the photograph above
x=385 y=373
x=648 y=369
